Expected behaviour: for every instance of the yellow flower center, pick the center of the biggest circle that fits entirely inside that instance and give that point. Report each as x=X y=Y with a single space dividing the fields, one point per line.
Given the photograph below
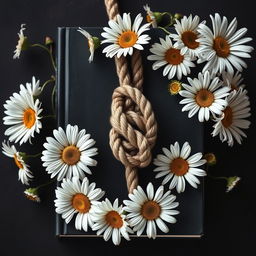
x=114 y=219
x=221 y=46
x=81 y=203
x=173 y=56
x=17 y=162
x=70 y=155
x=179 y=166
x=29 y=117
x=150 y=210
x=174 y=87
x=228 y=117
x=189 y=39
x=204 y=98
x=127 y=39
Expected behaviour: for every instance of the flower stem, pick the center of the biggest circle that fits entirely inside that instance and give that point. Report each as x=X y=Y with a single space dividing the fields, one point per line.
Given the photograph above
x=52 y=99
x=47 y=82
x=49 y=52
x=165 y=30
x=34 y=156
x=49 y=116
x=46 y=184
x=217 y=177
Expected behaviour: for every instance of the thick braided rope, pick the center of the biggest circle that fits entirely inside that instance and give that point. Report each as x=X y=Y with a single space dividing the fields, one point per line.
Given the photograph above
x=134 y=128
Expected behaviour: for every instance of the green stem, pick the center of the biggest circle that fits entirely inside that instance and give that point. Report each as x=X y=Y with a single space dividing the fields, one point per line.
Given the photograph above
x=217 y=178
x=34 y=156
x=166 y=31
x=53 y=94
x=49 y=52
x=45 y=83
x=46 y=184
x=49 y=116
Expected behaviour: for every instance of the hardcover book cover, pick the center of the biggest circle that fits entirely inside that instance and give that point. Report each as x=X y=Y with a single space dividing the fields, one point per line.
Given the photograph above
x=84 y=98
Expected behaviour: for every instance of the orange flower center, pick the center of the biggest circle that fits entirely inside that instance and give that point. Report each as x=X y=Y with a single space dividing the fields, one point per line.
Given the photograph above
x=173 y=56
x=150 y=210
x=114 y=219
x=17 y=162
x=81 y=203
x=179 y=166
x=70 y=155
x=148 y=18
x=228 y=117
x=221 y=46
x=189 y=39
x=127 y=39
x=204 y=98
x=29 y=117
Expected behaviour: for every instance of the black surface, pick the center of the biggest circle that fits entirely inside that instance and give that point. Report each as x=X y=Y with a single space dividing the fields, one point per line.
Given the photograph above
x=28 y=228
x=87 y=90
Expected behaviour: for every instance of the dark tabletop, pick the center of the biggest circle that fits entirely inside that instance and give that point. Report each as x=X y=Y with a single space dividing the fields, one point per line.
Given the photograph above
x=28 y=228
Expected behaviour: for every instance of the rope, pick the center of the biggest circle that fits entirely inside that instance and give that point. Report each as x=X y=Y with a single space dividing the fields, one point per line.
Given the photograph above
x=134 y=128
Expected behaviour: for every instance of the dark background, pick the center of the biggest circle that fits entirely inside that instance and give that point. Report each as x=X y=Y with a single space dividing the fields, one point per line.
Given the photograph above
x=27 y=228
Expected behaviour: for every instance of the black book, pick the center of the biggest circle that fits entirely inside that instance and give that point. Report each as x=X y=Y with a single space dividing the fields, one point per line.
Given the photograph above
x=84 y=98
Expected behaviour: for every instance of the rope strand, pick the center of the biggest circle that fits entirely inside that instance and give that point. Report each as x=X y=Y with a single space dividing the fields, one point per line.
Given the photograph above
x=134 y=128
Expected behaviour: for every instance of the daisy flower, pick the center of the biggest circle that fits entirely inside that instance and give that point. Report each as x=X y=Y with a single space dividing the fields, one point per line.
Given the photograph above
x=69 y=153
x=23 y=114
x=233 y=118
x=25 y=174
x=187 y=35
x=167 y=54
x=174 y=87
x=223 y=47
x=76 y=198
x=110 y=220
x=232 y=182
x=22 y=43
x=33 y=88
x=178 y=166
x=233 y=80
x=151 y=17
x=204 y=95
x=151 y=210
x=124 y=36
x=93 y=42
x=32 y=194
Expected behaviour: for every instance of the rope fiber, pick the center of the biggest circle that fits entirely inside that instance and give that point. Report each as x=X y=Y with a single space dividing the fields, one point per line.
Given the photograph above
x=134 y=128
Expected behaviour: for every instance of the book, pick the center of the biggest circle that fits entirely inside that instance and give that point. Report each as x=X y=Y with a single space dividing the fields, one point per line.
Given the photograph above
x=84 y=93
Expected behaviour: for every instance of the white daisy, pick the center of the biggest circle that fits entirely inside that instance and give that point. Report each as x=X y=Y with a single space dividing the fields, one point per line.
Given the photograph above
x=110 y=220
x=22 y=43
x=187 y=35
x=150 y=211
x=232 y=182
x=32 y=194
x=23 y=114
x=233 y=80
x=233 y=118
x=76 y=198
x=177 y=166
x=93 y=42
x=168 y=55
x=25 y=174
x=32 y=88
x=124 y=36
x=204 y=95
x=150 y=16
x=223 y=47
x=69 y=153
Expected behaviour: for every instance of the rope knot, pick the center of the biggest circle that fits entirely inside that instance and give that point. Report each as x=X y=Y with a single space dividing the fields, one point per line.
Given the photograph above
x=133 y=130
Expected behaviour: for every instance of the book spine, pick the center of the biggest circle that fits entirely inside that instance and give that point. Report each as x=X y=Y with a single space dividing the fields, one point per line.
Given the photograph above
x=60 y=99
